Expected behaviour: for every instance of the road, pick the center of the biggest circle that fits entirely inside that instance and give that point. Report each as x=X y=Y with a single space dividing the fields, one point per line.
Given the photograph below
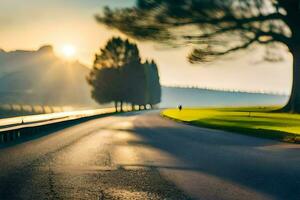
x=144 y=156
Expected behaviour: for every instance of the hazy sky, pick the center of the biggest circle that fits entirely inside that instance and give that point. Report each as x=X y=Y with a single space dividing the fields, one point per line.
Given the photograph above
x=28 y=24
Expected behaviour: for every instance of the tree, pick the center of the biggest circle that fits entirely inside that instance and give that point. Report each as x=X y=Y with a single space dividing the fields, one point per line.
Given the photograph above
x=153 y=94
x=136 y=83
x=215 y=28
x=118 y=76
x=105 y=85
x=107 y=76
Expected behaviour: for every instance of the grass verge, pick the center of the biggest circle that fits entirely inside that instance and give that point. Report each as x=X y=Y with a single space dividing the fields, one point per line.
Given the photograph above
x=254 y=121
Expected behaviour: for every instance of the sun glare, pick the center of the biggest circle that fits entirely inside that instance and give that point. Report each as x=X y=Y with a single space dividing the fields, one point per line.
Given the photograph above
x=68 y=51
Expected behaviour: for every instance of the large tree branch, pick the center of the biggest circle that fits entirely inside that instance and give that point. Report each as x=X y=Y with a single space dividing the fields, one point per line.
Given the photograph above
x=212 y=34
x=227 y=19
x=207 y=55
x=279 y=37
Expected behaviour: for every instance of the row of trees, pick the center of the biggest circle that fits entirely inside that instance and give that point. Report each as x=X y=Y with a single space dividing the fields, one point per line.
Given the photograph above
x=119 y=76
x=215 y=28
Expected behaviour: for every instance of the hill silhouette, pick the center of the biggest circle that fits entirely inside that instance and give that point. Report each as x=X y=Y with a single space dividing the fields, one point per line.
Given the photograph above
x=40 y=77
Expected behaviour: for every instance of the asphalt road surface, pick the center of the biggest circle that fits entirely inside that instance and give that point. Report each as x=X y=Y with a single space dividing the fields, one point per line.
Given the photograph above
x=144 y=156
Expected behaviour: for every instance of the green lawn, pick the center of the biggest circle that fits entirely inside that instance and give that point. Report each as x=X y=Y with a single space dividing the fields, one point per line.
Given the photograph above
x=256 y=121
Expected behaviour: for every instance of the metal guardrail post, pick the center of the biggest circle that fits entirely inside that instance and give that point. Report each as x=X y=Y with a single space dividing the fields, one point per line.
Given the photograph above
x=5 y=137
x=11 y=136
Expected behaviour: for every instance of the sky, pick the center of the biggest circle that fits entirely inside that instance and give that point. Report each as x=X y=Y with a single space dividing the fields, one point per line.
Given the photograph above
x=32 y=23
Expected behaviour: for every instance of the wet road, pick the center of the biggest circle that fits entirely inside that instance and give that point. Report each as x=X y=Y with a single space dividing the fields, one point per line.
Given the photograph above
x=143 y=156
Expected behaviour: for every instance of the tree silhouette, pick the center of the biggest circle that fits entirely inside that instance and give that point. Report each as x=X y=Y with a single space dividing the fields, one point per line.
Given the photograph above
x=107 y=76
x=137 y=84
x=119 y=76
x=153 y=95
x=105 y=84
x=215 y=28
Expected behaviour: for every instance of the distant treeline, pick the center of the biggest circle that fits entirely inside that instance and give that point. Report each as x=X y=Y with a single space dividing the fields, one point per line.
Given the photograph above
x=119 y=76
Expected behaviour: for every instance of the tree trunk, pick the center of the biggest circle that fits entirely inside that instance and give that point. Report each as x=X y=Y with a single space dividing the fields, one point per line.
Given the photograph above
x=116 y=106
x=293 y=104
x=121 y=106
x=132 y=107
x=293 y=12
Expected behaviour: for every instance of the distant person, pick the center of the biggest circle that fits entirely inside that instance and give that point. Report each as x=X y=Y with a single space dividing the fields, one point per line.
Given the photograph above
x=180 y=107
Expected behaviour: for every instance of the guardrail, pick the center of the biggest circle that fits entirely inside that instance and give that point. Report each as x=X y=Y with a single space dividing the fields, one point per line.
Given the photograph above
x=13 y=128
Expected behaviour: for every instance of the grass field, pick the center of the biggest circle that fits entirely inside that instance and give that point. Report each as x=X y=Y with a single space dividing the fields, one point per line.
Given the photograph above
x=256 y=121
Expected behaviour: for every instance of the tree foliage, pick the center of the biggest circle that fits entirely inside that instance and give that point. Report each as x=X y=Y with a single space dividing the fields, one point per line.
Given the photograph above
x=119 y=76
x=214 y=28
x=153 y=96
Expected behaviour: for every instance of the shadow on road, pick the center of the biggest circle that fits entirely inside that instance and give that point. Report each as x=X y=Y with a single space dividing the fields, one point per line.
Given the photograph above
x=247 y=161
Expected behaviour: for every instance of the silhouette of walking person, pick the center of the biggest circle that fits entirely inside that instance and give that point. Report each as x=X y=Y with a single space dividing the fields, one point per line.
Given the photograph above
x=180 y=107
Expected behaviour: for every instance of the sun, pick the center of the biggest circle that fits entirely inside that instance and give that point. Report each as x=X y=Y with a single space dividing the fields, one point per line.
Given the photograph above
x=68 y=51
